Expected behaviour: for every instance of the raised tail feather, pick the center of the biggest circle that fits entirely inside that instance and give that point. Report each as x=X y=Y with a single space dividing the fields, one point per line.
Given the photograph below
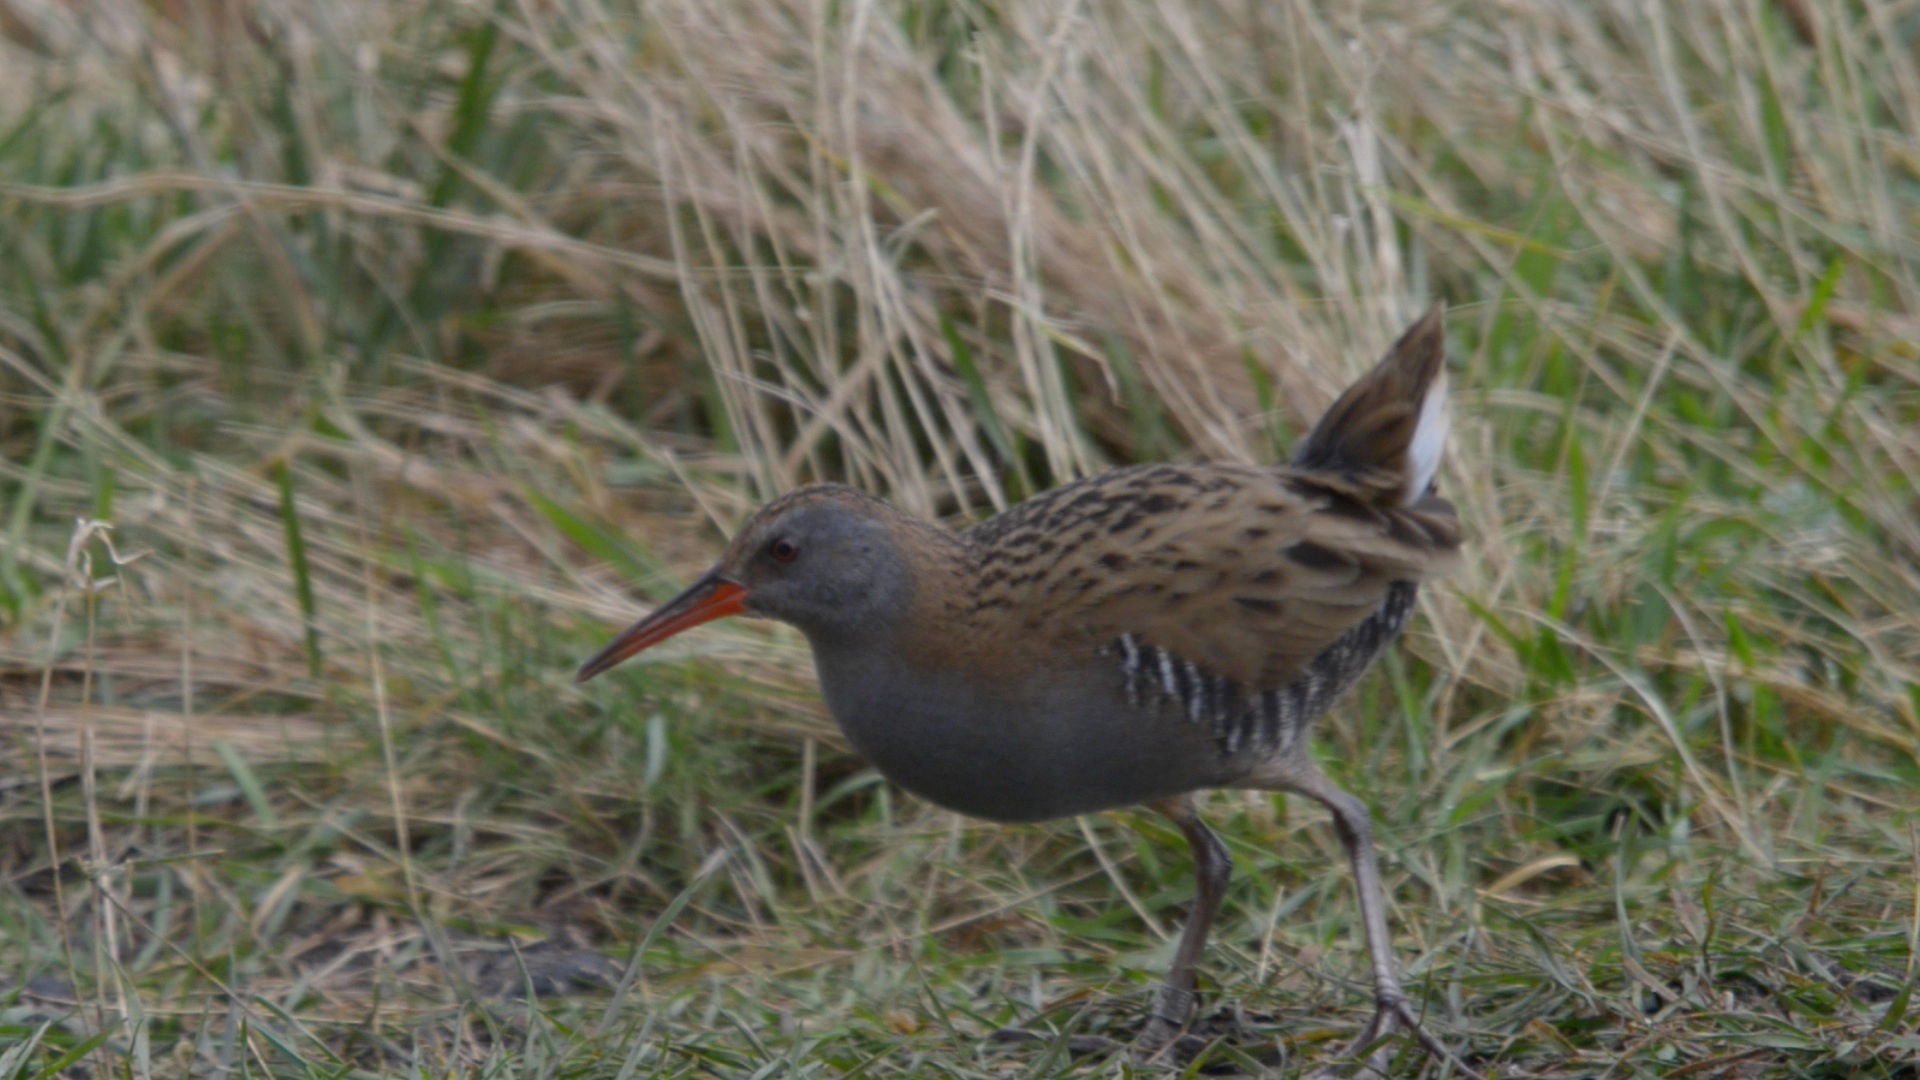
x=1388 y=429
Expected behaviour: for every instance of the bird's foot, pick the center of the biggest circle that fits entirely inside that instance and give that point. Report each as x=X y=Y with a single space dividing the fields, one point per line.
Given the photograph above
x=1165 y=1040
x=1166 y=1018
x=1375 y=1060
x=1373 y=1057
x=1161 y=1040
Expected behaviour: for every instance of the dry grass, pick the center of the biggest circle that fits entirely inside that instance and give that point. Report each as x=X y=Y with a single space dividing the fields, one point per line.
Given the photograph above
x=398 y=343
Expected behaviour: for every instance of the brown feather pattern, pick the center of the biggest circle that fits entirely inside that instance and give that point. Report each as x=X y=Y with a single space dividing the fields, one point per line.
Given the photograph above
x=1130 y=638
x=1240 y=596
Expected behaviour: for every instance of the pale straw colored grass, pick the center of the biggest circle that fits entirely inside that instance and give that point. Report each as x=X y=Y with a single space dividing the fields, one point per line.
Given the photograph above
x=530 y=345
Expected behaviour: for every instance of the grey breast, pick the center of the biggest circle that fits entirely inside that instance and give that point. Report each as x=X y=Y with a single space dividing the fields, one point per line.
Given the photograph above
x=1017 y=750
x=1133 y=724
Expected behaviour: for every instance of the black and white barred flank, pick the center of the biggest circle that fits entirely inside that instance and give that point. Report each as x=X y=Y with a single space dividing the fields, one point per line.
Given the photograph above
x=1275 y=719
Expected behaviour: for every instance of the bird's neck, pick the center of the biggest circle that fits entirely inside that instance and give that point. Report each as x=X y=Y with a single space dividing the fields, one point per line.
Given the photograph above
x=939 y=623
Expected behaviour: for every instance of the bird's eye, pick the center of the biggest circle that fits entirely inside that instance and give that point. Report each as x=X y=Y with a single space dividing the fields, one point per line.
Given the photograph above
x=782 y=550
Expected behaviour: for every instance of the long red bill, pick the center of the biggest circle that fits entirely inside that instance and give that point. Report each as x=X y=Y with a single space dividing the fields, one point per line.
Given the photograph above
x=710 y=598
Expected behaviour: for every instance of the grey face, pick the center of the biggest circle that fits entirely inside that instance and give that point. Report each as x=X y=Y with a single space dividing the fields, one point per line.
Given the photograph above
x=822 y=567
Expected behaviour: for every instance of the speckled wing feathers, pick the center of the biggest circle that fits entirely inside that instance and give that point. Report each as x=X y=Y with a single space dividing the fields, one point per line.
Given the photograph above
x=1241 y=596
x=1256 y=570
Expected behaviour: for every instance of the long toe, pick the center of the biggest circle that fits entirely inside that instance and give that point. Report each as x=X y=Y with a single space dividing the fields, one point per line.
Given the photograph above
x=1385 y=1022
x=1367 y=1057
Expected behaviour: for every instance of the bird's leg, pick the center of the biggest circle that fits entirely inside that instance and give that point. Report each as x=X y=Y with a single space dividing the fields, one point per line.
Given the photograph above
x=1173 y=1002
x=1355 y=826
x=1212 y=866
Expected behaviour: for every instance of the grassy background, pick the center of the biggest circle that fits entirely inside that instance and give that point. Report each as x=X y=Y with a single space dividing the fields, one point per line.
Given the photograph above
x=408 y=349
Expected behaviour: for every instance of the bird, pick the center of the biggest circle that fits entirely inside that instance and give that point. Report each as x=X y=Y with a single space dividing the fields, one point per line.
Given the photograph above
x=1134 y=637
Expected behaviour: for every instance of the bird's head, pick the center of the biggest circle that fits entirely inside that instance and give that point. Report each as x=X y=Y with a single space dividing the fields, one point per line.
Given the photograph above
x=825 y=558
